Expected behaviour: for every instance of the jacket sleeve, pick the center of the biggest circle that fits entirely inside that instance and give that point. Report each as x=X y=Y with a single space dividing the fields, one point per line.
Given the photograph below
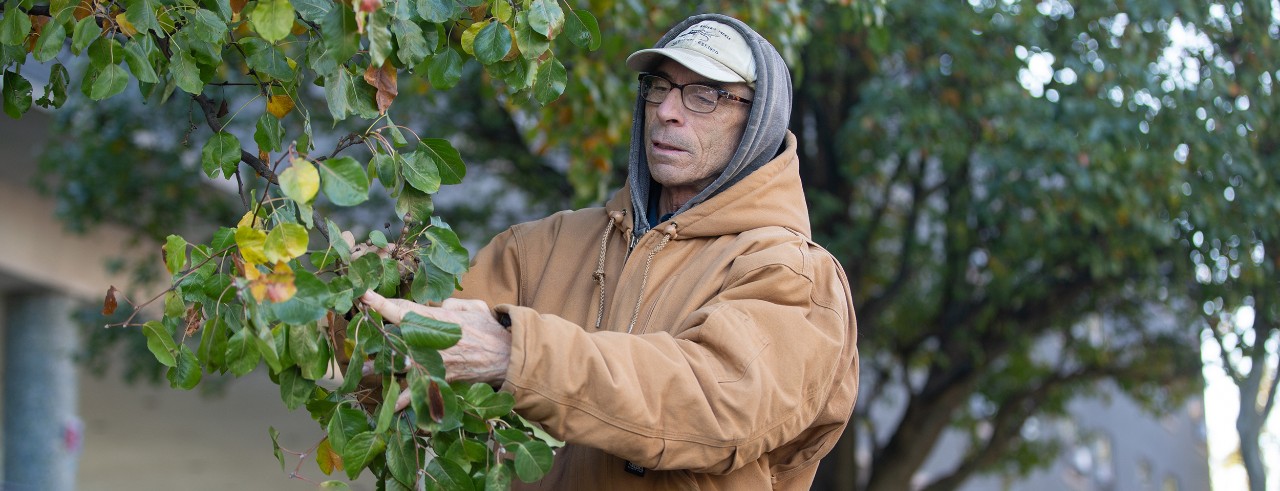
x=750 y=370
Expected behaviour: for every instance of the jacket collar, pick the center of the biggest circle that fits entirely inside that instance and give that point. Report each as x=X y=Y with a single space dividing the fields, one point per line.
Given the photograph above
x=770 y=196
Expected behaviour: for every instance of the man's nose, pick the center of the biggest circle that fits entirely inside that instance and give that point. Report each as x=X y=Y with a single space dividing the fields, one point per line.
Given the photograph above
x=672 y=108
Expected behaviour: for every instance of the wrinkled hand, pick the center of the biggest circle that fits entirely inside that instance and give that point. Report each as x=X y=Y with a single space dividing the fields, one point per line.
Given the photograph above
x=484 y=351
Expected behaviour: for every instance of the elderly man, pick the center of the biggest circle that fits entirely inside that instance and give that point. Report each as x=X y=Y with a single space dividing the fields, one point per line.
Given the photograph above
x=710 y=344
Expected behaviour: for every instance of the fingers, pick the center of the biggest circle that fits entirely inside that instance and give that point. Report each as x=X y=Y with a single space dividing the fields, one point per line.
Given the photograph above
x=465 y=305
x=404 y=400
x=349 y=238
x=392 y=310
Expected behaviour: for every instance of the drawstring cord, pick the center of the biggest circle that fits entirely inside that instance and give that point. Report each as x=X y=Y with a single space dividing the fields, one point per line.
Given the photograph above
x=667 y=234
x=615 y=217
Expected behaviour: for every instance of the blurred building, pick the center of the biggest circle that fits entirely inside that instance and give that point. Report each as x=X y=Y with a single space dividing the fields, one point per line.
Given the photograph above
x=66 y=429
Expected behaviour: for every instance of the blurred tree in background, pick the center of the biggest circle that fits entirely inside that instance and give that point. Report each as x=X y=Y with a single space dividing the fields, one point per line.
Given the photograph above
x=1017 y=189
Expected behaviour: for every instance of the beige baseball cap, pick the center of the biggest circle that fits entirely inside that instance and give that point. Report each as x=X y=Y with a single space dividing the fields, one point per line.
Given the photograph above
x=712 y=49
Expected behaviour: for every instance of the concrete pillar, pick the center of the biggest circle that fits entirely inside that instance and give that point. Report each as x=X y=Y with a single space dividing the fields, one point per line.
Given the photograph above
x=41 y=430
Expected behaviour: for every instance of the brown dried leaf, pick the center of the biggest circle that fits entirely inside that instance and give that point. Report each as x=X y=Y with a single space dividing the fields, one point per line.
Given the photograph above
x=384 y=80
x=193 y=319
x=109 y=304
x=435 y=402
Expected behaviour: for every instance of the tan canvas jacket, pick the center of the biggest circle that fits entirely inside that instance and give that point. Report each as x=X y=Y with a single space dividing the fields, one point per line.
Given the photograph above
x=741 y=366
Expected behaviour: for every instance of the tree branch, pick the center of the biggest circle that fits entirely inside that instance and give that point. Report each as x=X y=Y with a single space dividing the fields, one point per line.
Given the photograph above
x=210 y=109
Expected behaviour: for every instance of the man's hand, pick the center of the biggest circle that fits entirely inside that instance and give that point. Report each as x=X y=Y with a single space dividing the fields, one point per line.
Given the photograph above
x=485 y=349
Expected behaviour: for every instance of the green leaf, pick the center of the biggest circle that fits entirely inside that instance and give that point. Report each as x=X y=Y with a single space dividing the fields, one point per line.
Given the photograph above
x=265 y=341
x=205 y=25
x=275 y=445
x=212 y=350
x=403 y=458
x=341 y=41
x=582 y=29
x=492 y=43
x=335 y=486
x=313 y=10
x=160 y=342
x=85 y=32
x=445 y=69
x=105 y=51
x=430 y=284
x=186 y=373
x=498 y=478
x=17 y=93
x=417 y=204
x=338 y=90
x=136 y=56
x=175 y=253
x=343 y=181
x=421 y=171
x=532 y=45
x=294 y=388
x=427 y=333
x=55 y=93
x=552 y=78
x=242 y=355
x=309 y=350
x=450 y=475
x=446 y=250
x=335 y=241
x=437 y=11
x=267 y=59
x=545 y=17
x=221 y=154
x=495 y=405
x=360 y=450
x=386 y=167
x=250 y=241
x=533 y=460
x=273 y=19
x=387 y=412
x=345 y=423
x=141 y=13
x=50 y=42
x=185 y=72
x=446 y=158
x=110 y=81
x=268 y=133
x=378 y=28
x=14 y=28
x=378 y=239
x=411 y=46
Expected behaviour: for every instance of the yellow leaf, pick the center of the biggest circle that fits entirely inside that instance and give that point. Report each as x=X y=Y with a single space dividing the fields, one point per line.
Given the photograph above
x=250 y=219
x=300 y=182
x=279 y=105
x=285 y=242
x=251 y=241
x=469 y=37
x=126 y=27
x=327 y=459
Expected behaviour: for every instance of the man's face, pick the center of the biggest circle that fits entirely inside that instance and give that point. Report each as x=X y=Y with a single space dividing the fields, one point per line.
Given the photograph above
x=688 y=150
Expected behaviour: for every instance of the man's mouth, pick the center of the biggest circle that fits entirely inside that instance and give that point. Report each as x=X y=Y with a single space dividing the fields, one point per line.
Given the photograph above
x=665 y=147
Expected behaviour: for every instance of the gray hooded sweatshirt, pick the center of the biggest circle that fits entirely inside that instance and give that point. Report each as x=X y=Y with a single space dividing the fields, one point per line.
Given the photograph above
x=761 y=140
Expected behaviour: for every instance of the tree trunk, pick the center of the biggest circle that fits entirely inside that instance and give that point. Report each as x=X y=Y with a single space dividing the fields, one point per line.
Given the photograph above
x=41 y=431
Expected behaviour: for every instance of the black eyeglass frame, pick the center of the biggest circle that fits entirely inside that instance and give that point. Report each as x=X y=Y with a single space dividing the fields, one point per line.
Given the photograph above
x=720 y=93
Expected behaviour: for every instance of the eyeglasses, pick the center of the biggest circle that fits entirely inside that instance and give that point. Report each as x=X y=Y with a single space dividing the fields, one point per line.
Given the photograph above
x=697 y=97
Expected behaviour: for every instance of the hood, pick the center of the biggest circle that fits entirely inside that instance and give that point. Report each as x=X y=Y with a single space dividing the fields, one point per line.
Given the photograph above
x=770 y=195
x=762 y=138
